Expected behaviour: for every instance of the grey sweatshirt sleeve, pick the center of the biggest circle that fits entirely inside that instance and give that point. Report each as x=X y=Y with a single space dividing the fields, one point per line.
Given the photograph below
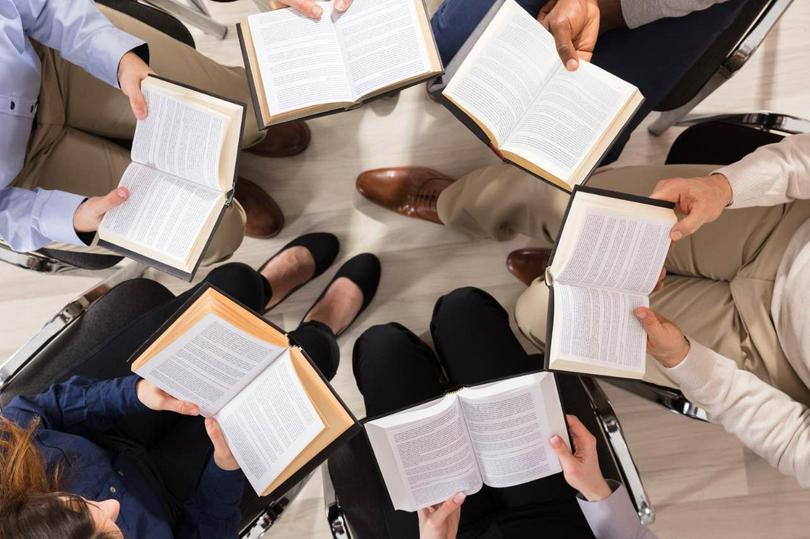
x=640 y=12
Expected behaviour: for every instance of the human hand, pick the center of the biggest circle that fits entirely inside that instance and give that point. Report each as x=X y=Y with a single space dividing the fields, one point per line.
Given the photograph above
x=223 y=457
x=90 y=212
x=665 y=341
x=575 y=27
x=581 y=468
x=131 y=71
x=309 y=7
x=156 y=399
x=441 y=521
x=701 y=200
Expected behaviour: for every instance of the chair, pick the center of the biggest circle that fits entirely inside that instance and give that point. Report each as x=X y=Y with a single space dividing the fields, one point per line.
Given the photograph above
x=357 y=504
x=83 y=325
x=715 y=140
x=732 y=49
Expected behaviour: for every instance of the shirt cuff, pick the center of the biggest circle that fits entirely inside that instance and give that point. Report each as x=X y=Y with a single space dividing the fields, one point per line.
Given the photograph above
x=53 y=215
x=696 y=369
x=109 y=47
x=612 y=517
x=130 y=392
x=746 y=187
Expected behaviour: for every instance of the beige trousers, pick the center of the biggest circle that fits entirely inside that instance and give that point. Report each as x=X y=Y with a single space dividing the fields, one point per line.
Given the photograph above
x=70 y=148
x=720 y=281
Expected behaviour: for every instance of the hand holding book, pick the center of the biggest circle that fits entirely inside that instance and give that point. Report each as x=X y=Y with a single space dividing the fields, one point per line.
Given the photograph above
x=575 y=27
x=665 y=340
x=581 y=467
x=310 y=8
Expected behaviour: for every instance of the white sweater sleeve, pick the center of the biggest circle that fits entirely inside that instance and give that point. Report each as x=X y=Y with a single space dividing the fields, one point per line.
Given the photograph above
x=767 y=421
x=772 y=175
x=640 y=12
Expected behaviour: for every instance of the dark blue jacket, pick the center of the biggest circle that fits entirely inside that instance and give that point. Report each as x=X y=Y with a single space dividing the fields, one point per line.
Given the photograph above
x=71 y=410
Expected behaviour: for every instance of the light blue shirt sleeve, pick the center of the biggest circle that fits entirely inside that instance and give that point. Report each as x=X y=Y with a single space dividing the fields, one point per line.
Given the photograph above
x=614 y=517
x=32 y=219
x=80 y=32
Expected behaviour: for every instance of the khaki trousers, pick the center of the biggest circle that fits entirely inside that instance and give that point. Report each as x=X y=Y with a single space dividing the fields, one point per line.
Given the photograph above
x=70 y=148
x=720 y=281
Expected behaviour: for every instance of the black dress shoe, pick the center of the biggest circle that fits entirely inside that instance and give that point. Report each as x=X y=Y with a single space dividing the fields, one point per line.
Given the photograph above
x=323 y=247
x=363 y=270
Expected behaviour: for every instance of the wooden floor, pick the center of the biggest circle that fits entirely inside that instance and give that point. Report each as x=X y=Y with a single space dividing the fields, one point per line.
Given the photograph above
x=703 y=483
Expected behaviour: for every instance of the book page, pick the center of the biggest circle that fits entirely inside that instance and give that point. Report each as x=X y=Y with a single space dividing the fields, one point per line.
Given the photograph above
x=209 y=364
x=509 y=427
x=164 y=214
x=610 y=250
x=269 y=423
x=382 y=44
x=180 y=138
x=299 y=59
x=431 y=451
x=568 y=118
x=505 y=71
x=596 y=325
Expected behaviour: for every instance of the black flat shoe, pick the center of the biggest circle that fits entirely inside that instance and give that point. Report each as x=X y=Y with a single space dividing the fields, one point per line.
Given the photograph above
x=364 y=271
x=323 y=247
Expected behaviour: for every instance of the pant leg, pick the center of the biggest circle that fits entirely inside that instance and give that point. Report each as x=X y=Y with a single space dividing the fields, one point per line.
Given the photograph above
x=501 y=201
x=320 y=344
x=394 y=369
x=455 y=20
x=475 y=344
x=474 y=341
x=96 y=107
x=656 y=56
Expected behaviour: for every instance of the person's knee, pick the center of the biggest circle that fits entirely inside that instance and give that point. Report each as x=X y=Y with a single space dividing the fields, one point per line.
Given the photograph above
x=373 y=348
x=461 y=303
x=240 y=281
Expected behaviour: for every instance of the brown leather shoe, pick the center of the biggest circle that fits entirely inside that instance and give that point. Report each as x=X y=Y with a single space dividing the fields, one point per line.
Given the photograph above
x=528 y=264
x=264 y=217
x=283 y=140
x=409 y=191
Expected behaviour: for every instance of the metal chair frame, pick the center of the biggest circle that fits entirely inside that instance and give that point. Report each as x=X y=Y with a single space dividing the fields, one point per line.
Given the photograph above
x=734 y=61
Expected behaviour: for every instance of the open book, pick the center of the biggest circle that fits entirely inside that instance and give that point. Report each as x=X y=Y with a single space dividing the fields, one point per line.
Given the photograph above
x=279 y=415
x=299 y=67
x=495 y=434
x=508 y=85
x=180 y=180
x=606 y=262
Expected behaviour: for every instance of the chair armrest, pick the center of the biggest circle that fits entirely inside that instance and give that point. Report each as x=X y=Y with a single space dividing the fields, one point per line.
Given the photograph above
x=756 y=35
x=621 y=452
x=763 y=120
x=64 y=318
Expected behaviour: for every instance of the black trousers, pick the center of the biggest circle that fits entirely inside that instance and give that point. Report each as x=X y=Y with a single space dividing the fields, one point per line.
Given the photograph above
x=474 y=344
x=175 y=449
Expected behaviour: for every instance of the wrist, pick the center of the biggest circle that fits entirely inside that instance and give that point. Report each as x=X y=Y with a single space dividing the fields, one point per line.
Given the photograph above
x=724 y=187
x=673 y=360
x=597 y=492
x=610 y=15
